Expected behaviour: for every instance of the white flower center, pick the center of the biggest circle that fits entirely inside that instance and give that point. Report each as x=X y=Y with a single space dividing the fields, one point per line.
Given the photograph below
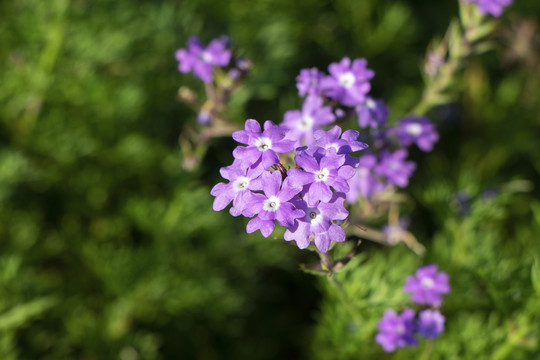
x=414 y=129
x=427 y=283
x=305 y=123
x=400 y=329
x=347 y=80
x=322 y=175
x=314 y=216
x=240 y=184
x=263 y=143
x=271 y=204
x=206 y=56
x=370 y=104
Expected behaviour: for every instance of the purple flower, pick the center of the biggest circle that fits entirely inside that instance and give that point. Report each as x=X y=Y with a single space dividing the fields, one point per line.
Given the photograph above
x=273 y=205
x=262 y=146
x=427 y=285
x=372 y=113
x=302 y=124
x=204 y=117
x=348 y=83
x=430 y=324
x=413 y=130
x=396 y=331
x=364 y=183
x=492 y=7
x=199 y=60
x=317 y=222
x=394 y=167
x=308 y=82
x=346 y=144
x=320 y=171
x=241 y=181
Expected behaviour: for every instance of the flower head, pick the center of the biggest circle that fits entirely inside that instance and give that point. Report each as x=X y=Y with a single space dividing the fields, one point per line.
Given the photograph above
x=414 y=130
x=427 y=285
x=396 y=331
x=348 y=82
x=263 y=146
x=395 y=168
x=430 y=323
x=199 y=59
x=372 y=113
x=364 y=183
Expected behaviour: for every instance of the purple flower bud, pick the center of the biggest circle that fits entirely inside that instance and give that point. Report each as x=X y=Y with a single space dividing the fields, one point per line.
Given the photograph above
x=348 y=83
x=396 y=331
x=308 y=82
x=427 y=285
x=204 y=117
x=430 y=324
x=419 y=131
x=492 y=7
x=372 y=113
x=199 y=60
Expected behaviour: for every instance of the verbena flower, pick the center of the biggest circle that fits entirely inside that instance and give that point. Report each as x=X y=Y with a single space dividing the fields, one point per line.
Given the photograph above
x=343 y=143
x=274 y=204
x=372 y=113
x=396 y=331
x=395 y=168
x=414 y=130
x=492 y=7
x=364 y=183
x=200 y=60
x=427 y=285
x=430 y=323
x=308 y=82
x=204 y=117
x=320 y=171
x=317 y=222
x=301 y=124
x=263 y=146
x=242 y=182
x=348 y=82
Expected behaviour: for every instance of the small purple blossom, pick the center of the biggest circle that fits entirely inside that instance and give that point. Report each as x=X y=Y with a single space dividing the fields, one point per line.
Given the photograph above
x=308 y=82
x=395 y=168
x=492 y=7
x=414 y=130
x=430 y=323
x=274 y=204
x=348 y=83
x=241 y=182
x=199 y=60
x=302 y=123
x=427 y=285
x=320 y=171
x=396 y=331
x=364 y=183
x=343 y=143
x=204 y=117
x=372 y=113
x=263 y=146
x=317 y=222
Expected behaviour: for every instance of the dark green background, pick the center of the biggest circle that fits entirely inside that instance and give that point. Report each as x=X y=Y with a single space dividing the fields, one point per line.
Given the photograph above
x=110 y=250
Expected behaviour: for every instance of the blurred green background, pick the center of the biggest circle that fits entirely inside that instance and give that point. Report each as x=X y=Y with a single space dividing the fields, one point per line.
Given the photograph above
x=110 y=250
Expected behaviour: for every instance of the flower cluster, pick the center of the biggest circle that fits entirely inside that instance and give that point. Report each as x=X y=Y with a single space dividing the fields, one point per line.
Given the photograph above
x=426 y=288
x=343 y=93
x=492 y=7
x=307 y=199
